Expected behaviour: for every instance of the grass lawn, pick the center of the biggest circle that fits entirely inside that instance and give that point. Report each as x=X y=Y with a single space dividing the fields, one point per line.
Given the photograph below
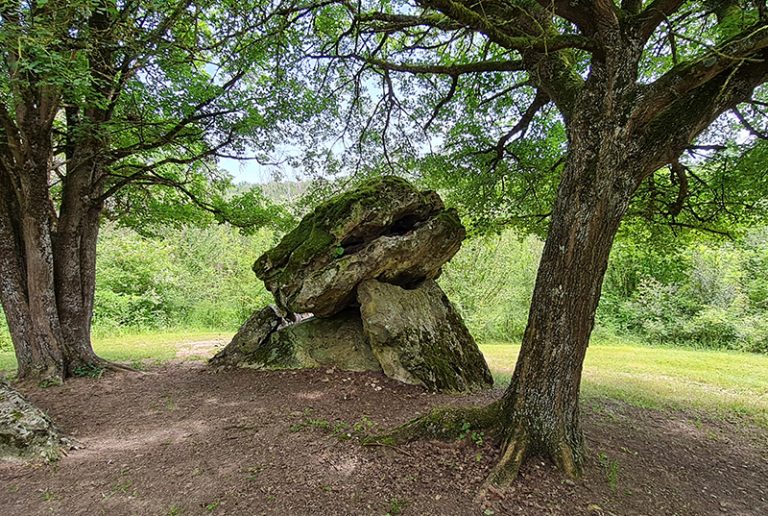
x=716 y=383
x=719 y=383
x=135 y=347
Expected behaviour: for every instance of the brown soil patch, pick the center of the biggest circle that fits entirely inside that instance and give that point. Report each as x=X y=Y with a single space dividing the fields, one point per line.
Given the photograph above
x=183 y=440
x=199 y=350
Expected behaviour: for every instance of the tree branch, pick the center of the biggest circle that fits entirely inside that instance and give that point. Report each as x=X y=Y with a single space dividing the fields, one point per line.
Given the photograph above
x=751 y=128
x=452 y=70
x=688 y=76
x=521 y=127
x=577 y=12
x=671 y=131
x=653 y=15
x=445 y=100
x=473 y=16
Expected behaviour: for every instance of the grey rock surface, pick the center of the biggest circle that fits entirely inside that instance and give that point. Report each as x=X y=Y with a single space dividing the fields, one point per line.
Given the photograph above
x=364 y=264
x=26 y=432
x=269 y=341
x=247 y=344
x=419 y=338
x=385 y=228
x=323 y=342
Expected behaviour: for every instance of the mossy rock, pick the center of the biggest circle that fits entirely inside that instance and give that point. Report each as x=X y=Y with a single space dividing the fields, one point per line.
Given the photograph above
x=419 y=338
x=26 y=432
x=386 y=228
x=333 y=342
x=247 y=343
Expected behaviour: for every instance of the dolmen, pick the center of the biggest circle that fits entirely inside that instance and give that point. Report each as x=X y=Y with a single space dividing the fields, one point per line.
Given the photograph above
x=354 y=288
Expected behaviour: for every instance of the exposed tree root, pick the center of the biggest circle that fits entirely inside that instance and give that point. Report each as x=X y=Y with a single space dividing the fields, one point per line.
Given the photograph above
x=517 y=443
x=56 y=376
x=514 y=452
x=116 y=368
x=443 y=424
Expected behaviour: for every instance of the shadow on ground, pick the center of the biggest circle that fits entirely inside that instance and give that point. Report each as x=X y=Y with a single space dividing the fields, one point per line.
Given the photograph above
x=182 y=440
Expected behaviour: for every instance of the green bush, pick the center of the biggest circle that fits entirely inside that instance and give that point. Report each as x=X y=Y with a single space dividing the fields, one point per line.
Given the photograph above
x=490 y=281
x=710 y=294
x=196 y=277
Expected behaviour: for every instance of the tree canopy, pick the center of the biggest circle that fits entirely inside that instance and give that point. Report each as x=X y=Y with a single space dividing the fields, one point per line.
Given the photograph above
x=477 y=96
x=122 y=108
x=565 y=117
x=159 y=89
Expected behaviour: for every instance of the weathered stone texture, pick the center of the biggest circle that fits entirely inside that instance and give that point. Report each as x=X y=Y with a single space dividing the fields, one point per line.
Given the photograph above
x=246 y=345
x=419 y=338
x=364 y=264
x=26 y=432
x=386 y=228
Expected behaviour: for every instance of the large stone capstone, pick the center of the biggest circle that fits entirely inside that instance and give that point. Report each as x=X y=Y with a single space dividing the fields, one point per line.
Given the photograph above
x=385 y=229
x=363 y=263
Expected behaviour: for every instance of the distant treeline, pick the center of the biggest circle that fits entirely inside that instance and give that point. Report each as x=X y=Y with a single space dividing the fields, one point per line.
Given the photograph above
x=712 y=294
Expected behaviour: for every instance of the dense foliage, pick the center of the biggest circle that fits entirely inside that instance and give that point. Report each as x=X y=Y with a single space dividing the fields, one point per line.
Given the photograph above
x=708 y=294
x=190 y=277
x=711 y=293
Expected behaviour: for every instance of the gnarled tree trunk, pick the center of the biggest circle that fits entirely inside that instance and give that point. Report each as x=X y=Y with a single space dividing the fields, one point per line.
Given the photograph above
x=47 y=274
x=540 y=409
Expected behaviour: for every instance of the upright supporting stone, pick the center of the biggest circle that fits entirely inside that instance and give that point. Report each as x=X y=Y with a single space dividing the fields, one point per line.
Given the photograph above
x=419 y=338
x=247 y=345
x=337 y=341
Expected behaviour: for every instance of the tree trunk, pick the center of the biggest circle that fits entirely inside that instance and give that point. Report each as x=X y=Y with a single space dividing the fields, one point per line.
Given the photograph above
x=46 y=278
x=45 y=359
x=540 y=409
x=75 y=260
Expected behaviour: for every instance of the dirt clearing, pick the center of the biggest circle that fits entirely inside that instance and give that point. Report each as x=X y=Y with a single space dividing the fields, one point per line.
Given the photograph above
x=182 y=440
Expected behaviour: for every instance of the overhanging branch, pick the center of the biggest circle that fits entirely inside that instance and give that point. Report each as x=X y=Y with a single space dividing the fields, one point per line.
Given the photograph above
x=658 y=96
x=452 y=70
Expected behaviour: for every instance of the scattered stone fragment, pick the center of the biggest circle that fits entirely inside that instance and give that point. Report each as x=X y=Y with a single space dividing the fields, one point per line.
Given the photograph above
x=26 y=432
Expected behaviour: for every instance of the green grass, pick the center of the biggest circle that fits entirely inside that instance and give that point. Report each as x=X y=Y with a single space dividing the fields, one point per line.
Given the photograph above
x=134 y=348
x=725 y=384
x=722 y=384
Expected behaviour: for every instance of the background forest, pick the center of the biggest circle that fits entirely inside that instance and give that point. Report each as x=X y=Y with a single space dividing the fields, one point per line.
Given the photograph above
x=708 y=292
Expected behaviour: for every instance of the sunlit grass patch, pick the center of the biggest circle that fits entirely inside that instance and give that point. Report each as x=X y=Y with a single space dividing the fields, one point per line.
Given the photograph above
x=721 y=383
x=134 y=349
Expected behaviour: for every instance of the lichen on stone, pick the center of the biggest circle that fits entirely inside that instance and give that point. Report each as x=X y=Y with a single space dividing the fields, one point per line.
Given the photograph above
x=26 y=432
x=391 y=240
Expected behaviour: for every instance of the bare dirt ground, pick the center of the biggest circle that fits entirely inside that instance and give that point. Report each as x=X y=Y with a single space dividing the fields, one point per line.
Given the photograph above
x=180 y=439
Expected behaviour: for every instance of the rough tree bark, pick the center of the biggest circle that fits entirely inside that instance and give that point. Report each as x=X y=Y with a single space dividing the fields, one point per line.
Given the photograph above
x=48 y=274
x=48 y=252
x=70 y=139
x=620 y=131
x=540 y=407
